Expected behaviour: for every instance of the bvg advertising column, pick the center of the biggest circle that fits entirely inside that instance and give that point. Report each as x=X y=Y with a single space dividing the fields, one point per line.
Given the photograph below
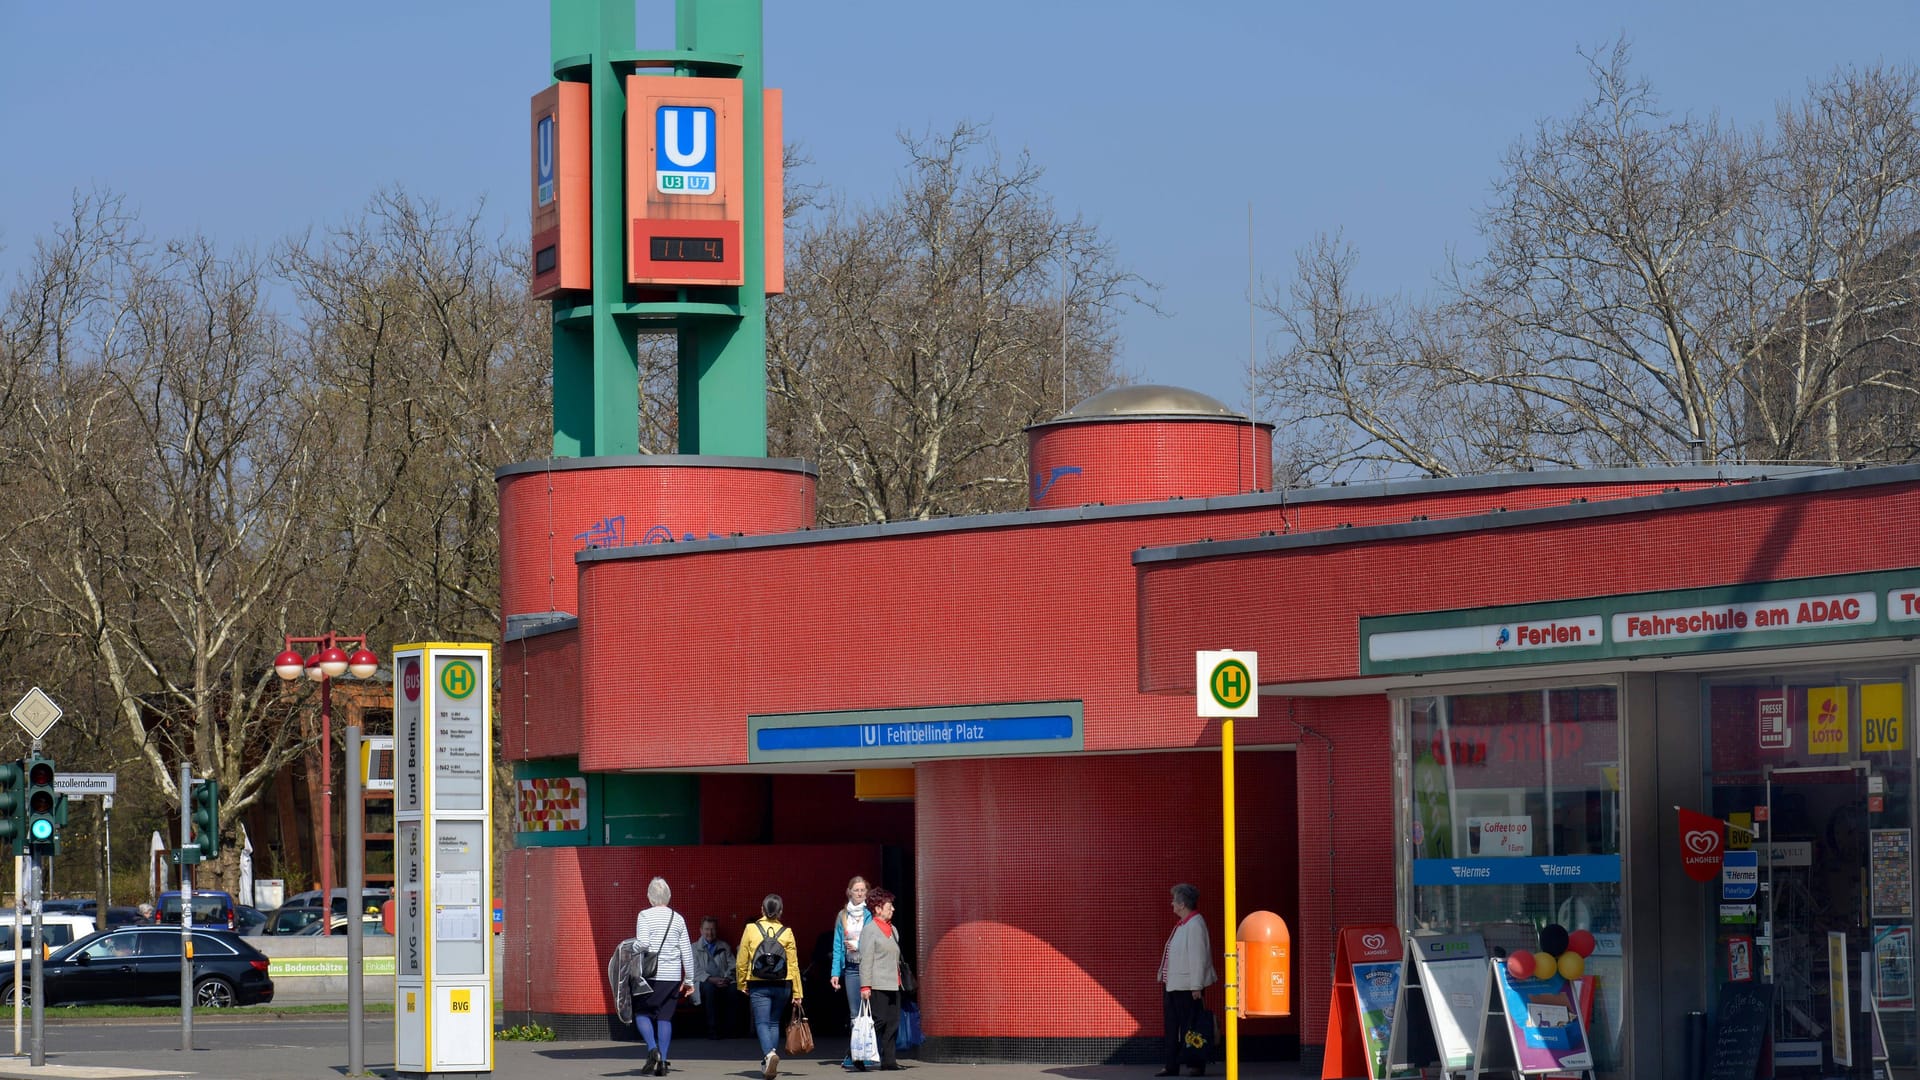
x=443 y=981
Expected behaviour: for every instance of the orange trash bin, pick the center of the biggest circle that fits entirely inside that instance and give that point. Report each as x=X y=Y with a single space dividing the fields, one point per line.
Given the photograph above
x=1266 y=975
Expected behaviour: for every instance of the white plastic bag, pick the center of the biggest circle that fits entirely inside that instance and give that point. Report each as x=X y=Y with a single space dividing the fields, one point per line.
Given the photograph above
x=866 y=1040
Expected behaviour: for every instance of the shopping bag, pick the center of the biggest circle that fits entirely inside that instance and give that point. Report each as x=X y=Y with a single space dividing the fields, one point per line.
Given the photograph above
x=911 y=1034
x=799 y=1033
x=1196 y=1040
x=866 y=1039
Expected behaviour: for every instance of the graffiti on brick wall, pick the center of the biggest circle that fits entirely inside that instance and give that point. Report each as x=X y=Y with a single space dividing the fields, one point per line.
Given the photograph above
x=607 y=532
x=661 y=534
x=611 y=532
x=1042 y=485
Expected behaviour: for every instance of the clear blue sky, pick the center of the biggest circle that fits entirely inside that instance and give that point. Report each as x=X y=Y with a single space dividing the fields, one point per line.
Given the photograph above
x=252 y=121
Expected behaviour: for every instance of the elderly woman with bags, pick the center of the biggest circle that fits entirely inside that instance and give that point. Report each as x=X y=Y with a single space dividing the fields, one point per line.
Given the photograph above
x=880 y=966
x=1186 y=970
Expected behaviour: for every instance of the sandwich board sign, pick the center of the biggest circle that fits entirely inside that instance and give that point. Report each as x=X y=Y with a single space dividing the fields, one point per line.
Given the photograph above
x=1443 y=994
x=1366 y=991
x=443 y=801
x=1533 y=1026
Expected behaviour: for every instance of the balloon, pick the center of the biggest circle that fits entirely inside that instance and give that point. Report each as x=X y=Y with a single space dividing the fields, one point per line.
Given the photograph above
x=1581 y=941
x=1544 y=965
x=1553 y=939
x=1520 y=964
x=1572 y=964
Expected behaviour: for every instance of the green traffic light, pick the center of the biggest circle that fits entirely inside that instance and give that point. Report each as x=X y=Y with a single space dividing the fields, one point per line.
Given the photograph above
x=42 y=829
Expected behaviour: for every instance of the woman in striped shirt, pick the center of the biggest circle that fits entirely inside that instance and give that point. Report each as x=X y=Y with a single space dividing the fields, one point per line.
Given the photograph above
x=662 y=932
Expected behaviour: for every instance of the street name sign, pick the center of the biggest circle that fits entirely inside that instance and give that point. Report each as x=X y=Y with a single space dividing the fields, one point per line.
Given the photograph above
x=79 y=785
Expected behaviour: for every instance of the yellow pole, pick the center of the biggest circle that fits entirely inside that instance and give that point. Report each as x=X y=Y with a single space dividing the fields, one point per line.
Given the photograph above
x=1231 y=923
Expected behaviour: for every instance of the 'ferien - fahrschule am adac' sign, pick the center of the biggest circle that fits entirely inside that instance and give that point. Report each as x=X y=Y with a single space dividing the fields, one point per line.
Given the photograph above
x=1806 y=611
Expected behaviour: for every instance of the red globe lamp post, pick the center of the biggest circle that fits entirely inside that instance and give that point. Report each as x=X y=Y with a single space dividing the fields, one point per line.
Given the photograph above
x=324 y=666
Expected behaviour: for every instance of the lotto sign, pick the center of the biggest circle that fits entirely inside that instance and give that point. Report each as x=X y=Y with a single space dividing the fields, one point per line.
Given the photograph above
x=685 y=150
x=1827 y=720
x=1227 y=683
x=1883 y=719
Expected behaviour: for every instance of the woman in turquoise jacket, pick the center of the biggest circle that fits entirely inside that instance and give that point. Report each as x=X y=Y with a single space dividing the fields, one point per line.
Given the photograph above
x=846 y=950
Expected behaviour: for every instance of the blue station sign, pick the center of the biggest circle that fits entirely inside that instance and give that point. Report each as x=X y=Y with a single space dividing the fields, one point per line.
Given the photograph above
x=955 y=731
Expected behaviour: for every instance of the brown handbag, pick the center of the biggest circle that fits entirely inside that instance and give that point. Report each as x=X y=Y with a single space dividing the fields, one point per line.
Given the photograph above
x=799 y=1033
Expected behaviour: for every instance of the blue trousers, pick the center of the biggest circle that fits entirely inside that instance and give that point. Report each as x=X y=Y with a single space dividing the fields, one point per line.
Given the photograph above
x=850 y=982
x=769 y=1002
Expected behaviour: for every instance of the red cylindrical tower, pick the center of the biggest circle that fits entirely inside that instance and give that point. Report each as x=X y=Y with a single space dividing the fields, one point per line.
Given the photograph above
x=1144 y=444
x=550 y=510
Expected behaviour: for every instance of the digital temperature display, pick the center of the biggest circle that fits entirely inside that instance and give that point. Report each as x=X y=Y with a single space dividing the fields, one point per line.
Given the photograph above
x=706 y=249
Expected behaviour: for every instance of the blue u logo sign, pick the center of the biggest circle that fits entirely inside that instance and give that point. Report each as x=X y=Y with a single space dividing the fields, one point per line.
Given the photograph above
x=870 y=734
x=692 y=153
x=545 y=159
x=684 y=144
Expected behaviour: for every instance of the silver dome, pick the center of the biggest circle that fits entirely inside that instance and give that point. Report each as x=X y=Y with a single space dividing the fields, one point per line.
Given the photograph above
x=1143 y=401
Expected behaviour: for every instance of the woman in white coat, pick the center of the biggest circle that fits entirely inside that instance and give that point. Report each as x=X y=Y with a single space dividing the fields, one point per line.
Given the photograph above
x=1186 y=970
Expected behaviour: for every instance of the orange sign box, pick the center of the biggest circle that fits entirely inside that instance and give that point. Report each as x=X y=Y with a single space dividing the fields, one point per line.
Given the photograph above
x=562 y=190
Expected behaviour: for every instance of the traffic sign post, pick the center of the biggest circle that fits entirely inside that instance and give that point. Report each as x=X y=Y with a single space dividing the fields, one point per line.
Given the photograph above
x=189 y=855
x=1227 y=685
x=36 y=713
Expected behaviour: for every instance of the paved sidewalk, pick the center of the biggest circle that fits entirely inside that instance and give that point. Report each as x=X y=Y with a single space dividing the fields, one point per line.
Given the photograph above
x=232 y=1055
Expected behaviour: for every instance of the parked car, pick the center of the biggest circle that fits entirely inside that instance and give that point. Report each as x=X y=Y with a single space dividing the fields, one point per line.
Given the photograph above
x=116 y=915
x=57 y=931
x=292 y=918
x=211 y=908
x=370 y=899
x=372 y=926
x=141 y=965
x=249 y=921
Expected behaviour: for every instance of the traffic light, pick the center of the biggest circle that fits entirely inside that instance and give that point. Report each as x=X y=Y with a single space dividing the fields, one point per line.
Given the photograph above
x=206 y=817
x=12 y=808
x=46 y=808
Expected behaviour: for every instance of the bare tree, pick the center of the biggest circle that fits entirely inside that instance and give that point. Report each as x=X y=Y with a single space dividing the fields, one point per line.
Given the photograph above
x=1653 y=289
x=1830 y=258
x=433 y=369
x=157 y=436
x=1371 y=385
x=918 y=338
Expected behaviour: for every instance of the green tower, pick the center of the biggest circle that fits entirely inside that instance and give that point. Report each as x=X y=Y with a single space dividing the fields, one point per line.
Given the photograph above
x=692 y=259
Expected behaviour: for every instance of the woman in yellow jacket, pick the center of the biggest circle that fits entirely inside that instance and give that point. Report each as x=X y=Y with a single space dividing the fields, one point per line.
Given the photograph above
x=771 y=977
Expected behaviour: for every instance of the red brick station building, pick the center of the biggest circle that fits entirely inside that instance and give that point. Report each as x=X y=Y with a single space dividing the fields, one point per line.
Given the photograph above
x=994 y=717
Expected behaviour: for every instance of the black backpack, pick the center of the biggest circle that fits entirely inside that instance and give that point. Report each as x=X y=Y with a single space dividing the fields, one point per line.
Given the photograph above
x=769 y=958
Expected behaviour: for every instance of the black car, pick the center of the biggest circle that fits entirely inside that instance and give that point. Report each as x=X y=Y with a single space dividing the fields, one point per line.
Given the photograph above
x=141 y=965
x=117 y=916
x=292 y=918
x=249 y=921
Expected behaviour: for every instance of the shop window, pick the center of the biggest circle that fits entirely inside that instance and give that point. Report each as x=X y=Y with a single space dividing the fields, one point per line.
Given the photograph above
x=1813 y=772
x=1515 y=821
